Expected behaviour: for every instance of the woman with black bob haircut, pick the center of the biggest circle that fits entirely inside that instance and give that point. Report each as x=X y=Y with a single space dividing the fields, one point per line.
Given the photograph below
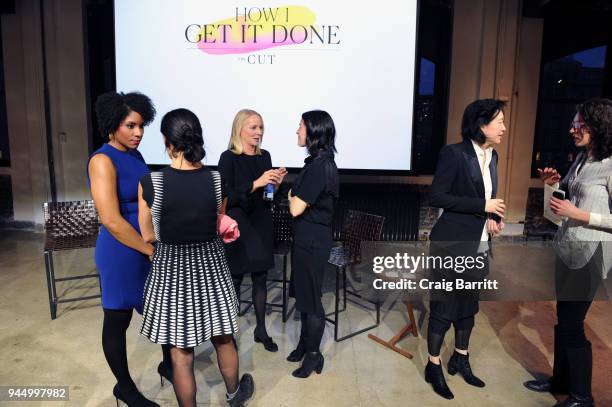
x=465 y=187
x=311 y=203
x=583 y=248
x=189 y=297
x=121 y=255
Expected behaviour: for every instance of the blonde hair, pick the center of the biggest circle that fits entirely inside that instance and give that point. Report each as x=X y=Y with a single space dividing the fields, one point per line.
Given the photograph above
x=235 y=143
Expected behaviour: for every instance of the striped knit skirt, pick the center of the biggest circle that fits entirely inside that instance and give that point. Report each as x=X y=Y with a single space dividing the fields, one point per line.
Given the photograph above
x=189 y=296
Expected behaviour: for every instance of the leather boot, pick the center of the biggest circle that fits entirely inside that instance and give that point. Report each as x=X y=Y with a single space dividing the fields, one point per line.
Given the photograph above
x=461 y=363
x=434 y=376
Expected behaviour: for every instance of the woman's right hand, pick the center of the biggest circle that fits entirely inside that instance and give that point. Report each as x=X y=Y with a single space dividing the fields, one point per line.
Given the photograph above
x=268 y=177
x=549 y=175
x=149 y=251
x=495 y=206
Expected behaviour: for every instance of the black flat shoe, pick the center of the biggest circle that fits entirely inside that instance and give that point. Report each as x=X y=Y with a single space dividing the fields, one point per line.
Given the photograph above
x=434 y=376
x=298 y=353
x=540 y=386
x=459 y=363
x=267 y=342
x=245 y=391
x=165 y=372
x=133 y=398
x=313 y=362
x=576 y=401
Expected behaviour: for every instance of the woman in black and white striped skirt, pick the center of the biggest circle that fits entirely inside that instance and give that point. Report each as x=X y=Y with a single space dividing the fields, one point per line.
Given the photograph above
x=189 y=297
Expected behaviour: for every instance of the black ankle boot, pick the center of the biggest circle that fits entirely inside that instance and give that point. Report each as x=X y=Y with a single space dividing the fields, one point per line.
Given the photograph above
x=245 y=391
x=313 y=361
x=165 y=372
x=267 y=342
x=461 y=363
x=434 y=376
x=132 y=397
x=298 y=353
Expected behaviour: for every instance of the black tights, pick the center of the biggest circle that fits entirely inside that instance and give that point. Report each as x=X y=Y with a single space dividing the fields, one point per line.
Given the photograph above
x=116 y=323
x=260 y=294
x=183 y=375
x=311 y=331
x=435 y=338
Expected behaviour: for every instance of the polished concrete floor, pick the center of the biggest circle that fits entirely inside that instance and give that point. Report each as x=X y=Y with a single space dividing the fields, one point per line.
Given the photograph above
x=512 y=342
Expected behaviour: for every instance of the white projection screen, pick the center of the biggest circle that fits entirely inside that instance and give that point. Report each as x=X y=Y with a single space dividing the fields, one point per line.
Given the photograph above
x=354 y=59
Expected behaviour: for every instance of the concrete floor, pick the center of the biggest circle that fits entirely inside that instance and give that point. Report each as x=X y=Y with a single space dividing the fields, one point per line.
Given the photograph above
x=512 y=342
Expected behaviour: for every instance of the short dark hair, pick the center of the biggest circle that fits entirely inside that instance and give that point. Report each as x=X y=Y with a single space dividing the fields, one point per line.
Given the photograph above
x=320 y=132
x=183 y=133
x=478 y=113
x=112 y=108
x=597 y=115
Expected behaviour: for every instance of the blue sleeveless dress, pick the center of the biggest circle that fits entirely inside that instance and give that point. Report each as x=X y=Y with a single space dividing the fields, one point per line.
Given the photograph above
x=123 y=271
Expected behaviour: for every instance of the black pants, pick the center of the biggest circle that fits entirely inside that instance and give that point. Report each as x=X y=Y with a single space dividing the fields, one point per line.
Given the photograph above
x=576 y=289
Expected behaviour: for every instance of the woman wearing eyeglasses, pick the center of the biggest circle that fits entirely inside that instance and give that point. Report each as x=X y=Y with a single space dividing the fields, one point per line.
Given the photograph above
x=582 y=245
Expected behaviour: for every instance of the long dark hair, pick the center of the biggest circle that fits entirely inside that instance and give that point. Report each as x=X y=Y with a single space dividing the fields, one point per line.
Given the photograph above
x=183 y=133
x=597 y=115
x=320 y=132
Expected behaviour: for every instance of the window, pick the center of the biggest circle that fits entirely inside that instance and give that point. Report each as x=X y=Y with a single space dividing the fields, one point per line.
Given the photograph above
x=575 y=66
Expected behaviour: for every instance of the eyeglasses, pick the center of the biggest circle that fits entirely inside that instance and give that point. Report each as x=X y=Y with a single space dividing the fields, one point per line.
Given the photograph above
x=577 y=125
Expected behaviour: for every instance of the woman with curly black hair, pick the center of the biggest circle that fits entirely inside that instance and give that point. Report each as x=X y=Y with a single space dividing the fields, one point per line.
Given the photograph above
x=582 y=245
x=122 y=256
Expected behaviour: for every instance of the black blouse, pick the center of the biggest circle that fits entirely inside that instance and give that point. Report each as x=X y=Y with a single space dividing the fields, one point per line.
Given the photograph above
x=317 y=186
x=189 y=205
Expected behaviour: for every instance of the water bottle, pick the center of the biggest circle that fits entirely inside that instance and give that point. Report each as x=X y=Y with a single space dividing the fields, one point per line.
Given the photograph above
x=268 y=194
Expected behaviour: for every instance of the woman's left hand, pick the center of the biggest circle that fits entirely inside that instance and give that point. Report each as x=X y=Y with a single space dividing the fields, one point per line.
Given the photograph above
x=566 y=208
x=494 y=228
x=281 y=172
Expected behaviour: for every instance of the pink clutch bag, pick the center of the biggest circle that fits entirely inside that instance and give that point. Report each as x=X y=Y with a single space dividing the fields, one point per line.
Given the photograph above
x=227 y=228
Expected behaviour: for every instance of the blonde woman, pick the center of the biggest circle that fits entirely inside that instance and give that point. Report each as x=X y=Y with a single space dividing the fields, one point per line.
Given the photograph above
x=246 y=169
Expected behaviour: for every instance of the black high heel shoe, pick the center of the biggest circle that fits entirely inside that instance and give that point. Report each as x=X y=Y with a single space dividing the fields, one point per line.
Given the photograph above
x=165 y=372
x=133 y=398
x=298 y=353
x=267 y=342
x=313 y=361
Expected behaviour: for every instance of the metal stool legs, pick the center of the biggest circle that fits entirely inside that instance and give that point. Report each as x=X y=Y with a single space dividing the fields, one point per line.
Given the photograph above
x=337 y=310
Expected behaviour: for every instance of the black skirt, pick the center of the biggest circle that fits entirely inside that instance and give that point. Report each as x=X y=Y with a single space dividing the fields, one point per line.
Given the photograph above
x=309 y=255
x=456 y=305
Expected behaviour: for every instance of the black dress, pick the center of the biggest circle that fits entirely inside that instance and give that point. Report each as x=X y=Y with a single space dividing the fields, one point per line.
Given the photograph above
x=253 y=250
x=317 y=185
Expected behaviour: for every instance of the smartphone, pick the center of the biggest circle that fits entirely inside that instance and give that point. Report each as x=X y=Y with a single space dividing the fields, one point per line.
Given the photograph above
x=559 y=194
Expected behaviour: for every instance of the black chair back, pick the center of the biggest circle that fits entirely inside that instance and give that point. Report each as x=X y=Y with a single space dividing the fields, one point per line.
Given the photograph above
x=70 y=225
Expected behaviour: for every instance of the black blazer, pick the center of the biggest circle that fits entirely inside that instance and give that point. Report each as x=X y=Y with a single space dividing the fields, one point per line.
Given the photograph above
x=458 y=188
